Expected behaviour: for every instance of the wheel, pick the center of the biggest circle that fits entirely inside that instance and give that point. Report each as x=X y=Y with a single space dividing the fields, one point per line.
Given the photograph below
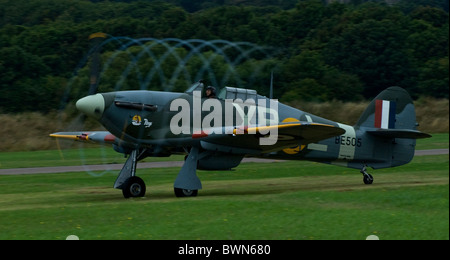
x=368 y=179
x=185 y=193
x=134 y=187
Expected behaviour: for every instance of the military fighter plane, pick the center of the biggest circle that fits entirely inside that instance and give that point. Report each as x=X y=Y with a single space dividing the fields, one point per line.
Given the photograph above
x=217 y=133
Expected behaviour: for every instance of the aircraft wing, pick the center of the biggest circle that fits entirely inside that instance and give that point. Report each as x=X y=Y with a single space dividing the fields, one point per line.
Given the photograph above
x=246 y=140
x=305 y=131
x=88 y=136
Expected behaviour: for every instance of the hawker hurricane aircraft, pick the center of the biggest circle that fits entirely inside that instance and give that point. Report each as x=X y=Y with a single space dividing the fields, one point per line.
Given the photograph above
x=217 y=130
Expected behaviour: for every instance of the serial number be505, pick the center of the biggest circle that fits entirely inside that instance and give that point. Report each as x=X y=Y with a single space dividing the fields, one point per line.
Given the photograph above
x=348 y=140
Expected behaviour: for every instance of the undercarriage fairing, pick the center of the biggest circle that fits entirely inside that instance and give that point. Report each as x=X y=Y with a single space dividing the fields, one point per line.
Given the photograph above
x=219 y=161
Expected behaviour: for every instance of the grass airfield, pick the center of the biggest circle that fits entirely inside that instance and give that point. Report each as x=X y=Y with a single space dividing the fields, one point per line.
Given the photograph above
x=283 y=200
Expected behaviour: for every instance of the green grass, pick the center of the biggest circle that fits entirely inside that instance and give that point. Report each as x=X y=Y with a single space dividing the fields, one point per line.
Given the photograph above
x=288 y=200
x=106 y=155
x=437 y=141
x=69 y=157
x=283 y=200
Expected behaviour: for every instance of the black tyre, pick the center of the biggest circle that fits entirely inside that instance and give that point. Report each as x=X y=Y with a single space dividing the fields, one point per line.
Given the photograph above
x=134 y=187
x=185 y=193
x=368 y=179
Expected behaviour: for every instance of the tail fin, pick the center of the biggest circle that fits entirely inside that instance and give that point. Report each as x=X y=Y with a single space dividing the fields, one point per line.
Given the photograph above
x=392 y=116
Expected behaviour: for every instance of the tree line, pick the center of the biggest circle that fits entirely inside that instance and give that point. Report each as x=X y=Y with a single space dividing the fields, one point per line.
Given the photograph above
x=324 y=51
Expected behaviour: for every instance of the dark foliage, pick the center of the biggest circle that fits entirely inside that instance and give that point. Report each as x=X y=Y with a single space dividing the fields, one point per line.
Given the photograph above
x=325 y=51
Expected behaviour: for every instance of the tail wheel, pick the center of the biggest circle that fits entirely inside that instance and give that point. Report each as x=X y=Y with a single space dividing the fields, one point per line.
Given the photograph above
x=134 y=187
x=368 y=179
x=185 y=193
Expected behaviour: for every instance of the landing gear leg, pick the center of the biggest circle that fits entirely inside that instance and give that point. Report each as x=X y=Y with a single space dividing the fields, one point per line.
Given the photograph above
x=367 y=178
x=127 y=181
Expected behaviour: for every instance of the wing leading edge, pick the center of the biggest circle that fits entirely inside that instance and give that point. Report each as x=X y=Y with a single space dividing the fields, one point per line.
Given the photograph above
x=91 y=136
x=287 y=134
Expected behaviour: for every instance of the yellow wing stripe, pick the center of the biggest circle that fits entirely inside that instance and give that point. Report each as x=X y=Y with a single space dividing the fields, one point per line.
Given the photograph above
x=253 y=130
x=72 y=137
x=295 y=149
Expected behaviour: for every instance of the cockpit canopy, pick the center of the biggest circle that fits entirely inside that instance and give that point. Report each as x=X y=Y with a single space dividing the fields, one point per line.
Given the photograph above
x=228 y=92
x=237 y=93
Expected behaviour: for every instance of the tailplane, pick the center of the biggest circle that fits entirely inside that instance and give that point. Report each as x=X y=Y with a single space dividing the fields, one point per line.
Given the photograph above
x=391 y=119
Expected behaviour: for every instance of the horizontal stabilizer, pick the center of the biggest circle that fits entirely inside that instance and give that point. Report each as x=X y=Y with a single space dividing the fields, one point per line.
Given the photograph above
x=399 y=133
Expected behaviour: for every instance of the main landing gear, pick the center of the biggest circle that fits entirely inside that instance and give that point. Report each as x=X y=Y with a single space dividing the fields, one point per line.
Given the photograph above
x=127 y=181
x=134 y=187
x=367 y=178
x=185 y=193
x=187 y=183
